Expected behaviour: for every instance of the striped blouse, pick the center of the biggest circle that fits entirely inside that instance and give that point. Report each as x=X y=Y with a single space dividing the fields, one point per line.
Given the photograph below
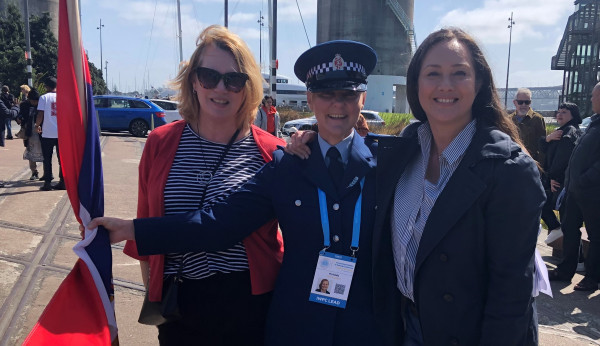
x=195 y=158
x=414 y=198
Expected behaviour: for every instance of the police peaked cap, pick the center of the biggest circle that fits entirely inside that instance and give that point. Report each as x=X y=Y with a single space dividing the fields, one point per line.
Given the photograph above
x=336 y=65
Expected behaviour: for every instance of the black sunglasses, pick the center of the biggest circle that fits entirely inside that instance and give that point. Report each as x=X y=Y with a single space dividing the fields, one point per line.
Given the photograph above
x=209 y=79
x=520 y=102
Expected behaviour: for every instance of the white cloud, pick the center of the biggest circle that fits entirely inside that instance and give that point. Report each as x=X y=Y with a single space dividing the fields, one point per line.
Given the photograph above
x=243 y=17
x=489 y=22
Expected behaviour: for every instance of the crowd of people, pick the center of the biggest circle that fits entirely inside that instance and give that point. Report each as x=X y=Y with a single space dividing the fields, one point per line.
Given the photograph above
x=37 y=117
x=425 y=238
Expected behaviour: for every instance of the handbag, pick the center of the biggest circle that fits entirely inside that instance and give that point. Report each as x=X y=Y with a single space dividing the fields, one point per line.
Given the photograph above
x=21 y=133
x=167 y=310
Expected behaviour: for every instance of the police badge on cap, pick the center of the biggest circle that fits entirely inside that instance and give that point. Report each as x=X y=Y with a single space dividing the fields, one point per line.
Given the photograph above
x=336 y=65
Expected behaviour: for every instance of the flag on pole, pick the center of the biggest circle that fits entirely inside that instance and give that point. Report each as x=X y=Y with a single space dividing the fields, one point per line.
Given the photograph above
x=81 y=312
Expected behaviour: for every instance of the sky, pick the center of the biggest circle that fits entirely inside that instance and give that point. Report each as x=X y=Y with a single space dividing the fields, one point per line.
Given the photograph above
x=139 y=37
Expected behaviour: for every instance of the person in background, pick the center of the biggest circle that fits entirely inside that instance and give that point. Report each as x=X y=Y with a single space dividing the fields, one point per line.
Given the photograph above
x=9 y=101
x=31 y=139
x=362 y=127
x=462 y=201
x=326 y=208
x=582 y=185
x=25 y=89
x=531 y=124
x=267 y=117
x=46 y=125
x=557 y=148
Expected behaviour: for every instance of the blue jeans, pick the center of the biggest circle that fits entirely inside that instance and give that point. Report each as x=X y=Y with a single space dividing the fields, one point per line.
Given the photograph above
x=9 y=128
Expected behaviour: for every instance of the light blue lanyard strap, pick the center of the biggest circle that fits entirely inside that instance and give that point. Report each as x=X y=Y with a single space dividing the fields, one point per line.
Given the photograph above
x=355 y=222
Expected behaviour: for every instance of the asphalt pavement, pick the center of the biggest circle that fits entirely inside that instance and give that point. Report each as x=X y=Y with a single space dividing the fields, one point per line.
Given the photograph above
x=38 y=230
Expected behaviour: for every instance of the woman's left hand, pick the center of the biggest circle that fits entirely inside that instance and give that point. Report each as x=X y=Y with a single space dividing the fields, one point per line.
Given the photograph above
x=118 y=229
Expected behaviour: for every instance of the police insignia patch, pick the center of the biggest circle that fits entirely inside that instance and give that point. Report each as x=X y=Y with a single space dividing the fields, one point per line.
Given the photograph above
x=338 y=62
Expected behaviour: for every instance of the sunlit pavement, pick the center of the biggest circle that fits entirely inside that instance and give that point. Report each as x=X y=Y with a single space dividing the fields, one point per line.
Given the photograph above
x=38 y=230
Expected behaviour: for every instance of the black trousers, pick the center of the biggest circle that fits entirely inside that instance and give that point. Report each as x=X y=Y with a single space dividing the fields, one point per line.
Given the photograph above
x=218 y=310
x=548 y=212
x=48 y=145
x=578 y=211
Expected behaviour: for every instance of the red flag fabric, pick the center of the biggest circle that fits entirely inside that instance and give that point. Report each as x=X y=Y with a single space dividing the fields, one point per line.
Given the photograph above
x=81 y=312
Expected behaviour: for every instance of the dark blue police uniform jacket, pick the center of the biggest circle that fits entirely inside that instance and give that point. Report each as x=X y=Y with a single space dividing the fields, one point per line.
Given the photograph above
x=474 y=268
x=286 y=189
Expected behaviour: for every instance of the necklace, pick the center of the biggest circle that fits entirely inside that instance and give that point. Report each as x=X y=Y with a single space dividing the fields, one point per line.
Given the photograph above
x=205 y=175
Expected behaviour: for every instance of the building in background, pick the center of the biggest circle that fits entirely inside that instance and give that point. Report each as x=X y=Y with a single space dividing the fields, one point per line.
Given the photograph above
x=578 y=55
x=386 y=26
x=37 y=7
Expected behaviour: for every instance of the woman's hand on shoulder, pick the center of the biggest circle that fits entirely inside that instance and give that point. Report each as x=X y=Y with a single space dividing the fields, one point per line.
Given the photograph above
x=298 y=143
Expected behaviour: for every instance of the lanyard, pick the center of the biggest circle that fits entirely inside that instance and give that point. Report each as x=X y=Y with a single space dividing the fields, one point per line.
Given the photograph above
x=355 y=222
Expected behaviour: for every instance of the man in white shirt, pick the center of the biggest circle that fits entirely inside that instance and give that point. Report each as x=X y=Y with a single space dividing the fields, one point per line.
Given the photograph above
x=46 y=126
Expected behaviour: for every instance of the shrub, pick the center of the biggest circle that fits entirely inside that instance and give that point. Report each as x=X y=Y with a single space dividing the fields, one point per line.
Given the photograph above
x=394 y=122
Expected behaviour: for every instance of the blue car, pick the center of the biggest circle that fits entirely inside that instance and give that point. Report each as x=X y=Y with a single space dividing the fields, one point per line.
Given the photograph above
x=123 y=113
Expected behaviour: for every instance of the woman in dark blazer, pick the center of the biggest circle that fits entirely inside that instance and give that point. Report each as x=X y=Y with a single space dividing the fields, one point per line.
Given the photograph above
x=557 y=148
x=465 y=211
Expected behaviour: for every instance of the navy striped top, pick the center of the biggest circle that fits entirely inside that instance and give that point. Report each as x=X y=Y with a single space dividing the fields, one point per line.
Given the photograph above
x=188 y=179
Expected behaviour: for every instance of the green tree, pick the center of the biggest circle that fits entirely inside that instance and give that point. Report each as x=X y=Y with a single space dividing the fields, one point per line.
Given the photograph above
x=98 y=84
x=44 y=46
x=44 y=51
x=12 y=53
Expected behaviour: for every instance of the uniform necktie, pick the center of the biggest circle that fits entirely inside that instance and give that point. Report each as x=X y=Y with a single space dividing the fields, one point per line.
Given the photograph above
x=336 y=167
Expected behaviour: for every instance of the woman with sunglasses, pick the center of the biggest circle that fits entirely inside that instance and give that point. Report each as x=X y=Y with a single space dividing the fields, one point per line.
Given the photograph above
x=192 y=164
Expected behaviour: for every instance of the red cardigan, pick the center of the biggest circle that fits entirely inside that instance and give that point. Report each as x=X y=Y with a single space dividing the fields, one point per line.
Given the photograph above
x=264 y=247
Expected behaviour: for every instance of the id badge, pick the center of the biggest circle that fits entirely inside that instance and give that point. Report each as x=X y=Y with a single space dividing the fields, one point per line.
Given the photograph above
x=333 y=277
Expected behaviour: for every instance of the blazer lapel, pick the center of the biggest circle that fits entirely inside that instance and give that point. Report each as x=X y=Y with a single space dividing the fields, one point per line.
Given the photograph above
x=459 y=194
x=360 y=162
x=393 y=154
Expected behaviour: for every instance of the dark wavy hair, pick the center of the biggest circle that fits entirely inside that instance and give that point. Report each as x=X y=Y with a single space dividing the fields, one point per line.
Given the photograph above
x=573 y=108
x=487 y=108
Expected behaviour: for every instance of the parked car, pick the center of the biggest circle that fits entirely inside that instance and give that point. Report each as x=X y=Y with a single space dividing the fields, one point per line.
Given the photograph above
x=585 y=123
x=170 y=108
x=299 y=124
x=374 y=121
x=123 y=113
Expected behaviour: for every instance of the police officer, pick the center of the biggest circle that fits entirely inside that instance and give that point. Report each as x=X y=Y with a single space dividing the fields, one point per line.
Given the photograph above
x=326 y=209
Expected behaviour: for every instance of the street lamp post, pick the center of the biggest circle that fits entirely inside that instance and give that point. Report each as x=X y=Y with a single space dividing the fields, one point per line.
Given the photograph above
x=510 y=26
x=260 y=25
x=101 y=60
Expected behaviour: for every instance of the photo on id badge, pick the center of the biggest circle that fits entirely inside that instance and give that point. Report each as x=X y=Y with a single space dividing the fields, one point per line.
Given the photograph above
x=333 y=276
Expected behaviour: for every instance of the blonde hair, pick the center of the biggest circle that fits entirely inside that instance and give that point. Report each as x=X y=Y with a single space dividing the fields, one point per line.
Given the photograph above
x=25 y=87
x=222 y=38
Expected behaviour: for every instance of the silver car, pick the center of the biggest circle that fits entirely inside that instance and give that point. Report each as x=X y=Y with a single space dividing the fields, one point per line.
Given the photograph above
x=374 y=121
x=170 y=108
x=298 y=125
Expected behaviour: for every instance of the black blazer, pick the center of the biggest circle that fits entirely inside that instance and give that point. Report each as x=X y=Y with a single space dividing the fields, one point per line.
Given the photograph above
x=286 y=188
x=475 y=263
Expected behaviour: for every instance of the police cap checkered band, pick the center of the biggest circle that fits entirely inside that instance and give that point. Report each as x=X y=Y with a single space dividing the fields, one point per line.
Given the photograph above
x=339 y=64
x=320 y=71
